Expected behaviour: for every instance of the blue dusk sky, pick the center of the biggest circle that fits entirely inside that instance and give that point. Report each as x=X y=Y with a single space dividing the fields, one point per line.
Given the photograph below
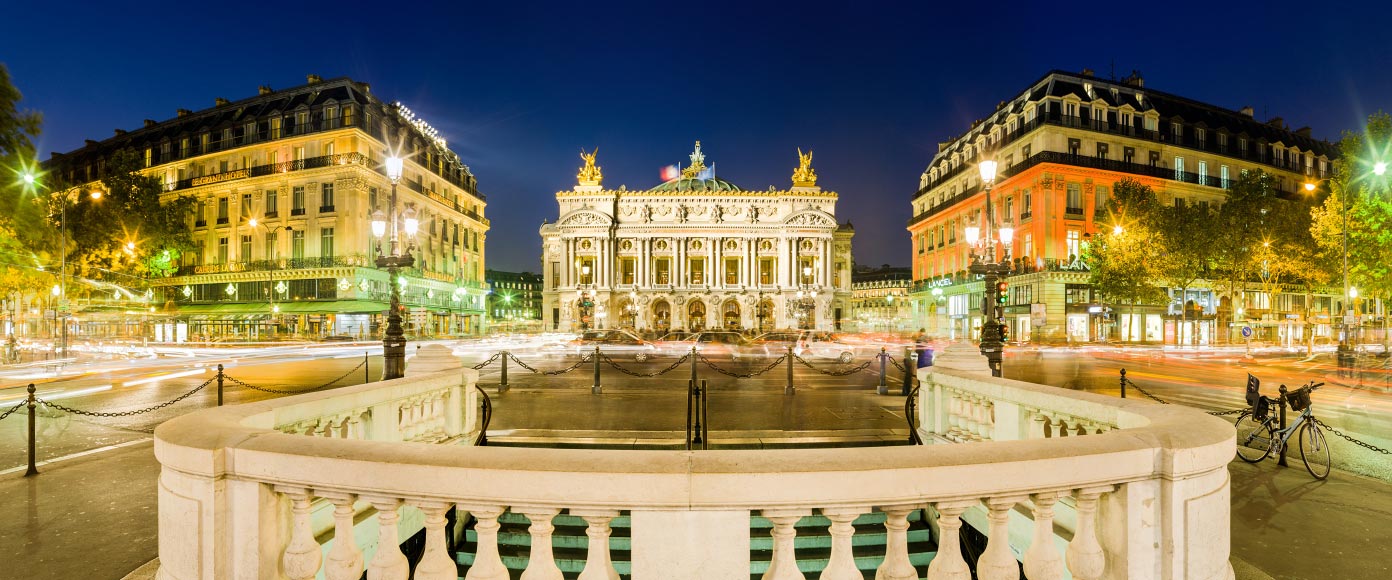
x=519 y=87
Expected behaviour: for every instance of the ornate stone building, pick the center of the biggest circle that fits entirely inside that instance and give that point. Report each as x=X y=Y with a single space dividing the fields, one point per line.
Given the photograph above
x=696 y=252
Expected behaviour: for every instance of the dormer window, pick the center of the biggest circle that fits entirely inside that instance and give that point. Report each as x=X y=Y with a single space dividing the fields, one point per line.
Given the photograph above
x=1087 y=88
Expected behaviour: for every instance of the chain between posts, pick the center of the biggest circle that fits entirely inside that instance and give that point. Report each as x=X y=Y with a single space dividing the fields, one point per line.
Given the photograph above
x=66 y=409
x=895 y=363
x=295 y=391
x=846 y=372
x=1363 y=444
x=18 y=406
x=717 y=369
x=490 y=360
x=583 y=359
x=630 y=373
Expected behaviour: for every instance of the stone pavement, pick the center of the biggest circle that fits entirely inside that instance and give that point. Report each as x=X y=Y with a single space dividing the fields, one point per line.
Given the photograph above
x=94 y=517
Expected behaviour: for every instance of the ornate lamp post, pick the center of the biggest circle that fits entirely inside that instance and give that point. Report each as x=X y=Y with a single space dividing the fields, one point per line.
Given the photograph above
x=993 y=268
x=583 y=298
x=394 y=340
x=806 y=302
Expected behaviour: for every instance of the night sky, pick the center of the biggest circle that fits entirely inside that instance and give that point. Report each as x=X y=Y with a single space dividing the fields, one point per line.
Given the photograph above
x=519 y=87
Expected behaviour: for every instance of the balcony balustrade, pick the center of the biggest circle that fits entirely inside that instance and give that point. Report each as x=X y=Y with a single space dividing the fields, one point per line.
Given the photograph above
x=331 y=481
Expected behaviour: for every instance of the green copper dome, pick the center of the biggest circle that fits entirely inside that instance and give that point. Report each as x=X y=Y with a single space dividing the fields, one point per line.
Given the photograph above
x=695 y=184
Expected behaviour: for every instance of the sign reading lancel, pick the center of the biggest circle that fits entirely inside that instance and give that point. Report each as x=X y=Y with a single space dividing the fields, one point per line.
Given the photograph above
x=221 y=177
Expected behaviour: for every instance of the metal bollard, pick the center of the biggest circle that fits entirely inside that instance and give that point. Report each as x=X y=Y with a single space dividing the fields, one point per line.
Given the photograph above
x=367 y=378
x=33 y=470
x=503 y=385
x=690 y=398
x=910 y=363
x=219 y=379
x=698 y=393
x=882 y=388
x=789 y=389
x=596 y=389
x=1123 y=383
x=693 y=364
x=1281 y=402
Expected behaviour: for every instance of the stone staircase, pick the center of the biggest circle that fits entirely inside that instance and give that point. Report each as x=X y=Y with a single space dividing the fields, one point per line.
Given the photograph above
x=569 y=544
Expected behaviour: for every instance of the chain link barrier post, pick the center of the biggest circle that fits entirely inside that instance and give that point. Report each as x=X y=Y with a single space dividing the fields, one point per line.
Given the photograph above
x=699 y=394
x=788 y=388
x=882 y=388
x=596 y=388
x=219 y=379
x=503 y=384
x=693 y=365
x=690 y=401
x=367 y=378
x=1123 y=383
x=33 y=404
x=910 y=363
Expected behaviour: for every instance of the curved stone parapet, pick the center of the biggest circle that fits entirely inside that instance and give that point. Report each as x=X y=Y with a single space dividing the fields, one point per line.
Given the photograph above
x=1147 y=491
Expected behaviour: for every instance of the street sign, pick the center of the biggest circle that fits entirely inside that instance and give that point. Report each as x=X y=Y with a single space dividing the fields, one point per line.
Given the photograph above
x=1246 y=332
x=1351 y=320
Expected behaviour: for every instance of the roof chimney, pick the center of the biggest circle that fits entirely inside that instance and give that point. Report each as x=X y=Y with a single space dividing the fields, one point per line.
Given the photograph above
x=1087 y=72
x=1303 y=131
x=120 y=132
x=90 y=142
x=184 y=112
x=1277 y=122
x=219 y=101
x=366 y=87
x=1134 y=79
x=149 y=122
x=313 y=79
x=1249 y=111
x=263 y=90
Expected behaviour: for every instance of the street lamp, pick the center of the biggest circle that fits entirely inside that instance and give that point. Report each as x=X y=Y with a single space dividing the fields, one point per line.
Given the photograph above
x=274 y=263
x=1344 y=353
x=394 y=340
x=993 y=268
x=60 y=290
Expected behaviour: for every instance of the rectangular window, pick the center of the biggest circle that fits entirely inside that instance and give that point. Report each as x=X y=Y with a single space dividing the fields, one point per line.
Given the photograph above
x=662 y=271
x=555 y=275
x=222 y=250
x=698 y=271
x=1176 y=132
x=297 y=200
x=372 y=203
x=1075 y=244
x=1179 y=168
x=326 y=197
x=246 y=205
x=1074 y=145
x=272 y=203
x=766 y=268
x=329 y=148
x=626 y=270
x=222 y=210
x=202 y=214
x=1128 y=154
x=326 y=245
x=1028 y=202
x=1075 y=198
x=1101 y=200
x=1102 y=150
x=245 y=254
x=272 y=247
x=1242 y=146
x=297 y=245
x=1029 y=245
x=732 y=271
x=806 y=272
x=149 y=156
x=347 y=115
x=1223 y=176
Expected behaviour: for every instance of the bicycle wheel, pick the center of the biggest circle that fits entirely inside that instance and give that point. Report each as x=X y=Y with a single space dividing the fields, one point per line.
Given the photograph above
x=1314 y=450
x=1253 y=438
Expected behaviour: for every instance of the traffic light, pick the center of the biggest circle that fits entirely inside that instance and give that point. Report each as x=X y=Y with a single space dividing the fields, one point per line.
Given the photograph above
x=1002 y=293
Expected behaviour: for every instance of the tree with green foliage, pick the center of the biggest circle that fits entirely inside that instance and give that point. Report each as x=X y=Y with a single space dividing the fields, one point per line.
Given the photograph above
x=1244 y=222
x=1124 y=261
x=23 y=230
x=1187 y=239
x=1361 y=199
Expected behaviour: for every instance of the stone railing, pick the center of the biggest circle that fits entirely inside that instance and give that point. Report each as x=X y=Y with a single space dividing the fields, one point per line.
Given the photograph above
x=1147 y=498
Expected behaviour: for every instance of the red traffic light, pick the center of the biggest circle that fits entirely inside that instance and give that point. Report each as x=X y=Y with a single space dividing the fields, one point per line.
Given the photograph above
x=1002 y=286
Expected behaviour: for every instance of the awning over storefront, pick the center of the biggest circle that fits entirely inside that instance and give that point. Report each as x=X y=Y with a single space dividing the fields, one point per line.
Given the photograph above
x=327 y=307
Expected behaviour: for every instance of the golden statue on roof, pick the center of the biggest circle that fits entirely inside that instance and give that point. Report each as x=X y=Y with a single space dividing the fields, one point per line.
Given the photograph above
x=590 y=174
x=698 y=163
x=804 y=175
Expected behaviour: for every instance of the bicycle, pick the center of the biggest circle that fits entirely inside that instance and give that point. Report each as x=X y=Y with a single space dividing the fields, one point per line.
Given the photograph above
x=1259 y=436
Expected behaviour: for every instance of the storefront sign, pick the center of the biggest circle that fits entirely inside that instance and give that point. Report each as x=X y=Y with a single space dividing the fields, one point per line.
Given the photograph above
x=220 y=177
x=940 y=283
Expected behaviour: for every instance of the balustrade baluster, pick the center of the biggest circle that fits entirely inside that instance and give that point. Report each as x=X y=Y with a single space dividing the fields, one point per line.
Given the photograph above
x=598 y=564
x=355 y=427
x=842 y=565
x=345 y=561
x=1082 y=427
x=1042 y=560
x=986 y=426
x=896 y=565
x=389 y=563
x=1037 y=424
x=948 y=563
x=997 y=562
x=1070 y=427
x=1086 y=560
x=783 y=564
x=436 y=563
x=1051 y=423
x=301 y=558
x=488 y=564
x=541 y=565
x=954 y=421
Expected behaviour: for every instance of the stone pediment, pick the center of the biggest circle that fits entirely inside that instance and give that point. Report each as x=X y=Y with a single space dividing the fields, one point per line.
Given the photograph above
x=811 y=218
x=583 y=217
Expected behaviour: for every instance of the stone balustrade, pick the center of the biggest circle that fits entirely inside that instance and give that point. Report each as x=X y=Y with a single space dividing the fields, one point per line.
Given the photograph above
x=1147 y=497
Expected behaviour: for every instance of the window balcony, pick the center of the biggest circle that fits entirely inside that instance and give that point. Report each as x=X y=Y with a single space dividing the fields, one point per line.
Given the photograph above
x=271 y=214
x=297 y=211
x=221 y=221
x=326 y=209
x=1008 y=448
x=200 y=223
